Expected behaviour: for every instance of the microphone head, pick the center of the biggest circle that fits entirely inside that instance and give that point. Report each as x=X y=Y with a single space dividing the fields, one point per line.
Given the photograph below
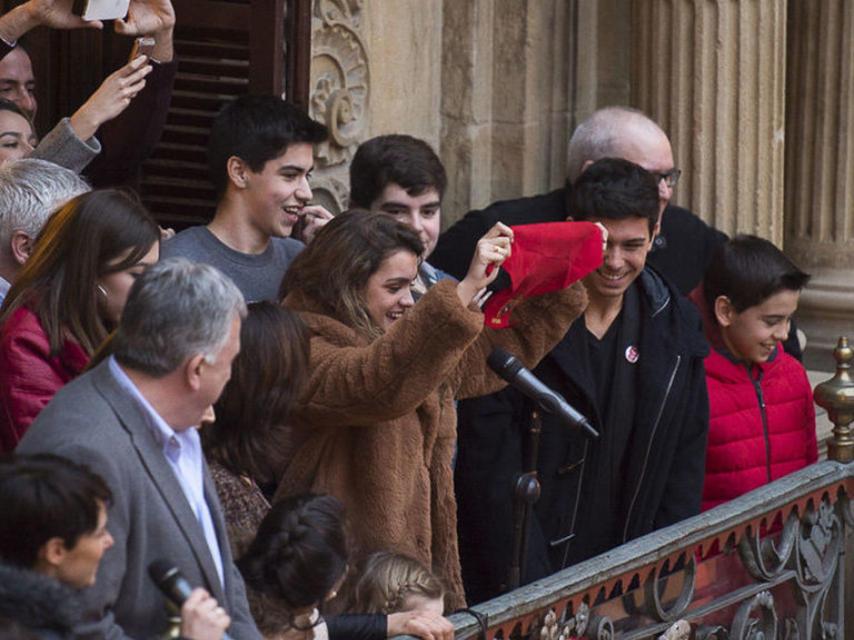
x=505 y=364
x=161 y=570
x=169 y=580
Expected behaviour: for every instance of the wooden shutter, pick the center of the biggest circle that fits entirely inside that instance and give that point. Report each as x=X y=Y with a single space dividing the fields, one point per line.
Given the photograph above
x=224 y=48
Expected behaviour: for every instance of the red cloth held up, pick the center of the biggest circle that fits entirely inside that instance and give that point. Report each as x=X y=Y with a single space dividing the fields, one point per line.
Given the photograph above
x=546 y=257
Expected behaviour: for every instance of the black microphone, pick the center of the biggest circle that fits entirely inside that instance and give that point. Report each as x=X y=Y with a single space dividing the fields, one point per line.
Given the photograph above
x=172 y=583
x=508 y=367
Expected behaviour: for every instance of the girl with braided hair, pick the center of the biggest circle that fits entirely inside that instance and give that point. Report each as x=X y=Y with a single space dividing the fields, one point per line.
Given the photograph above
x=393 y=582
x=298 y=562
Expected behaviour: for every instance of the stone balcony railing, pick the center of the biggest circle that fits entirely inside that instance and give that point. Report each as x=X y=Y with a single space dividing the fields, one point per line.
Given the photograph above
x=768 y=565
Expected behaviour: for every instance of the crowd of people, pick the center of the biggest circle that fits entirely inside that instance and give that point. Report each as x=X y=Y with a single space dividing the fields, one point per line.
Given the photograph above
x=295 y=412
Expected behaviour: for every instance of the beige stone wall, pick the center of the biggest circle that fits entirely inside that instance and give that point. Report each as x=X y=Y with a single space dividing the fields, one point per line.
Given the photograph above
x=376 y=69
x=496 y=86
x=712 y=73
x=517 y=75
x=505 y=99
x=404 y=40
x=820 y=169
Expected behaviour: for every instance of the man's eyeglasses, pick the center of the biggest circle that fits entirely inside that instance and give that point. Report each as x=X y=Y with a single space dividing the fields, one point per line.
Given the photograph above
x=670 y=177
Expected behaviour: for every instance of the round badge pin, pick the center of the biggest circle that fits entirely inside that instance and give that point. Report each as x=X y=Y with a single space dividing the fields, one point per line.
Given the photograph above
x=632 y=354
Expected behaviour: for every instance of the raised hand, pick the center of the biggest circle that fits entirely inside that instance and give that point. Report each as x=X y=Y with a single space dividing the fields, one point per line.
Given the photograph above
x=111 y=98
x=146 y=17
x=491 y=252
x=315 y=217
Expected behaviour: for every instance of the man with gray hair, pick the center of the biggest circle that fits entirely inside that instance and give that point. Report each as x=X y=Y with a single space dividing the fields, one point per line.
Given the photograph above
x=132 y=419
x=30 y=190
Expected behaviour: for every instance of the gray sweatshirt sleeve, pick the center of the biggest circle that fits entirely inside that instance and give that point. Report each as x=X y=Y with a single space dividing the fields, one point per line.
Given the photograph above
x=62 y=146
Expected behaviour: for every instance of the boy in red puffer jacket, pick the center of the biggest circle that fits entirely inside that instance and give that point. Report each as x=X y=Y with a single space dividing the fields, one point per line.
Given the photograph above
x=761 y=412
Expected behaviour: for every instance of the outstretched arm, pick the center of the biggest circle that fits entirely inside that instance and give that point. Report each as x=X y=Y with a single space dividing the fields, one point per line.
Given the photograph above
x=539 y=324
x=391 y=376
x=111 y=98
x=71 y=143
x=130 y=139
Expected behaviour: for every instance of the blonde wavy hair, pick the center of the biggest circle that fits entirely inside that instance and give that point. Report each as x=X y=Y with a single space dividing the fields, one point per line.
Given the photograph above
x=388 y=579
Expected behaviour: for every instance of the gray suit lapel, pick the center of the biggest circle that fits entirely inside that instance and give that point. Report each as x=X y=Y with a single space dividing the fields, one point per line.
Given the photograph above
x=133 y=419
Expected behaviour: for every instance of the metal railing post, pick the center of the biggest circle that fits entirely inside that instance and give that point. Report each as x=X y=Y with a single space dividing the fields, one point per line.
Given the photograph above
x=836 y=396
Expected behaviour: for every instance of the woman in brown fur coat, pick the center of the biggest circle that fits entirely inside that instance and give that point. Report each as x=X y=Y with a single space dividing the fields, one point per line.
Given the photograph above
x=376 y=424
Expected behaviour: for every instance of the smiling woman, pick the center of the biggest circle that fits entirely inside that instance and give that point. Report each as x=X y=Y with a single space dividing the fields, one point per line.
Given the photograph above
x=375 y=425
x=68 y=296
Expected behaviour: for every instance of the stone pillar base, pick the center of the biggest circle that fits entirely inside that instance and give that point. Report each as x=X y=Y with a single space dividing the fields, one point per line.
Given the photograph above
x=825 y=312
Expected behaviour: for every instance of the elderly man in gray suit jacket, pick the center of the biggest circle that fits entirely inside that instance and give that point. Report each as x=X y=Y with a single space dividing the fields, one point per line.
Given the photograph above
x=132 y=420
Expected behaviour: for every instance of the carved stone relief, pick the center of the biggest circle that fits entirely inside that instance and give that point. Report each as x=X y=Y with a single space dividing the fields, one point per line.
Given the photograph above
x=339 y=94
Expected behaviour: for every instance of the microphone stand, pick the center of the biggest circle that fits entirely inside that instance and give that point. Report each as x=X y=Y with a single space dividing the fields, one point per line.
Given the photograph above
x=525 y=496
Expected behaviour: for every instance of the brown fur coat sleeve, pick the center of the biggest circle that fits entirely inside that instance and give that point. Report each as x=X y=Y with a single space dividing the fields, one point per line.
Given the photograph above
x=352 y=382
x=538 y=325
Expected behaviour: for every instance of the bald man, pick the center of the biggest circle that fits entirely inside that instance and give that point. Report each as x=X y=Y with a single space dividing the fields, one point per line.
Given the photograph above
x=685 y=243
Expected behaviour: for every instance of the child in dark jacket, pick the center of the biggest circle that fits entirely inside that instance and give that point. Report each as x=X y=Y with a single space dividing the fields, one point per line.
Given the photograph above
x=761 y=412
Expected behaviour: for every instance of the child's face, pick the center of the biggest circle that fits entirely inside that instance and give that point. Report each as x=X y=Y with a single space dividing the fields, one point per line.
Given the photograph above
x=752 y=334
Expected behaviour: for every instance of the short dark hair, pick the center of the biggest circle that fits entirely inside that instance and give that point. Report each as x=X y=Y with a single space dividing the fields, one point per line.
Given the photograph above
x=46 y=496
x=257 y=129
x=748 y=270
x=299 y=552
x=615 y=189
x=396 y=158
x=249 y=435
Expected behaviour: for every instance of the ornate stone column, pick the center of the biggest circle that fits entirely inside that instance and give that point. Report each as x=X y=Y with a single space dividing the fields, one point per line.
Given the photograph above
x=339 y=94
x=820 y=169
x=712 y=73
